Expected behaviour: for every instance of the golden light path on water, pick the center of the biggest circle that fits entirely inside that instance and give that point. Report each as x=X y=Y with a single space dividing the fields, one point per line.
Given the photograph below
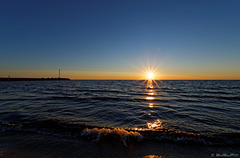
x=150 y=97
x=150 y=84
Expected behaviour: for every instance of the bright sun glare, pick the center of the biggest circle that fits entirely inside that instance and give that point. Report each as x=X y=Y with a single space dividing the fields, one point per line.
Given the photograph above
x=150 y=76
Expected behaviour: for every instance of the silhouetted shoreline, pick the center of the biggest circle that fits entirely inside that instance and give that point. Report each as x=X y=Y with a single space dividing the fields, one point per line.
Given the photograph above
x=32 y=79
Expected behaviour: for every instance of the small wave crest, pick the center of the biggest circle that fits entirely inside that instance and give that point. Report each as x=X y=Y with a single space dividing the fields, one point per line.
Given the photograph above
x=124 y=136
x=116 y=133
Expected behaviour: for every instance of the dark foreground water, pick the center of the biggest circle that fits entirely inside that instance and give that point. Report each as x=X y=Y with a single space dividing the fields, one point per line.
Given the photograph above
x=188 y=112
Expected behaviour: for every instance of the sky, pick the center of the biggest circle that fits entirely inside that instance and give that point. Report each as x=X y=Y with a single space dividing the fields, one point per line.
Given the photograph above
x=92 y=39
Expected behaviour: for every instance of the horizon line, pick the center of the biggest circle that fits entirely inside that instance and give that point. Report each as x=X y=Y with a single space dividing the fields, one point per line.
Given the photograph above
x=108 y=78
x=156 y=79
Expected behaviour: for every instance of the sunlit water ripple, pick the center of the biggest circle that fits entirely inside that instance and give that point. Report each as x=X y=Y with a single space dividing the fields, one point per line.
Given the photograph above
x=198 y=107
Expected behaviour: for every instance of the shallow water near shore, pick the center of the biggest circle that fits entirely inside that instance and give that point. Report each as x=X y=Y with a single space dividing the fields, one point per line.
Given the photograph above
x=130 y=115
x=46 y=146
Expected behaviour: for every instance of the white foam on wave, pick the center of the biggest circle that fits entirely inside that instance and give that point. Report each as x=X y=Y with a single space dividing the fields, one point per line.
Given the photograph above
x=122 y=134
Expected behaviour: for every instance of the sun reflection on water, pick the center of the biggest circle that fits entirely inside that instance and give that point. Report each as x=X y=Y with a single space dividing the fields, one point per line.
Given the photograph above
x=155 y=125
x=150 y=98
x=150 y=105
x=151 y=93
x=151 y=126
x=152 y=156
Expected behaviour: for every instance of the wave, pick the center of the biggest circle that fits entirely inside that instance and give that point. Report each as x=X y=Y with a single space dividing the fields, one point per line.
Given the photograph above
x=215 y=97
x=216 y=92
x=189 y=99
x=105 y=98
x=66 y=98
x=99 y=90
x=125 y=136
x=115 y=134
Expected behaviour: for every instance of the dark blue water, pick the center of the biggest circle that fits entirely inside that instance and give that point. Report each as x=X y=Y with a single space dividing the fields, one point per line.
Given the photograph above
x=205 y=111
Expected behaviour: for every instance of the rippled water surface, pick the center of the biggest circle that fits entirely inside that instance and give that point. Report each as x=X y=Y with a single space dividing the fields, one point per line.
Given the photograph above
x=198 y=107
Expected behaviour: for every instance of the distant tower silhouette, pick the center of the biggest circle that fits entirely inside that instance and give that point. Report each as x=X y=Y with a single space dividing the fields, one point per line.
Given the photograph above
x=59 y=73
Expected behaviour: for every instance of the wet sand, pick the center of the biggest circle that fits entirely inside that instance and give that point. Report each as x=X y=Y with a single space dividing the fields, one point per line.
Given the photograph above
x=18 y=145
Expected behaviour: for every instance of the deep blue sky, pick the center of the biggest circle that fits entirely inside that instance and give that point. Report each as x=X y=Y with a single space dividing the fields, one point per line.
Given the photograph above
x=197 y=38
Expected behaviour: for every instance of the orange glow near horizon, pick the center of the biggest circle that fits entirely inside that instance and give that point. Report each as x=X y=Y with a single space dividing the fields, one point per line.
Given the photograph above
x=140 y=73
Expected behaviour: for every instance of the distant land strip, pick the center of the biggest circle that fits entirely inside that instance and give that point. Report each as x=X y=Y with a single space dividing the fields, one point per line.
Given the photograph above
x=32 y=79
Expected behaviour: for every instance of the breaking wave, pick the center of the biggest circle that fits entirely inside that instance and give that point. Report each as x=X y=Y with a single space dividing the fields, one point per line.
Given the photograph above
x=125 y=136
x=116 y=133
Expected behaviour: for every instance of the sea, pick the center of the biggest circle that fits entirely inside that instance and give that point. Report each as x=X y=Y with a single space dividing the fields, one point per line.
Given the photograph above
x=203 y=113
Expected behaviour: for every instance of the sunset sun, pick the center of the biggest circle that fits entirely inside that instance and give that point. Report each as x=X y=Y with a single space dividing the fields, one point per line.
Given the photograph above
x=150 y=76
